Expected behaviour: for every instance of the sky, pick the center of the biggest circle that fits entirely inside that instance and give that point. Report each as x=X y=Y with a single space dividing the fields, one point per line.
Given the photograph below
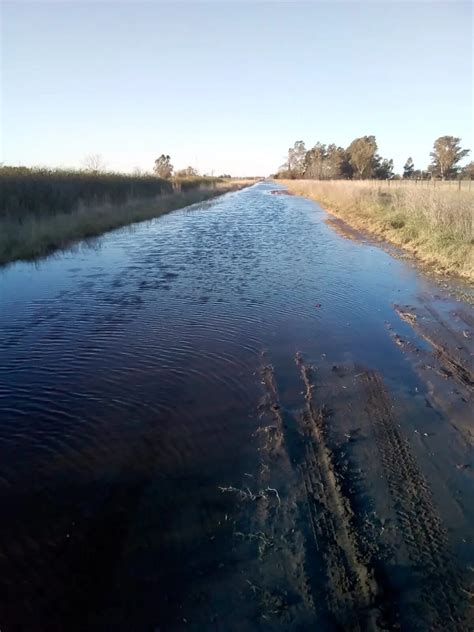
x=227 y=87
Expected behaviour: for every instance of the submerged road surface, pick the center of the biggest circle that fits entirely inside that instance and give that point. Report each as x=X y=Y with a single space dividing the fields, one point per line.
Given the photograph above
x=234 y=417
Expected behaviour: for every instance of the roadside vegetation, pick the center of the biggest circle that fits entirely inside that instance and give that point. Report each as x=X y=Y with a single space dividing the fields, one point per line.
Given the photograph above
x=361 y=161
x=44 y=210
x=428 y=212
x=433 y=223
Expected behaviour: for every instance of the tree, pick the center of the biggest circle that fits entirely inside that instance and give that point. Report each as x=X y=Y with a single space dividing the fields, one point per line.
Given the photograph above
x=419 y=174
x=468 y=171
x=163 y=167
x=296 y=159
x=335 y=161
x=446 y=155
x=94 y=163
x=189 y=172
x=324 y=162
x=361 y=155
x=408 y=169
x=346 y=168
x=382 y=168
x=314 y=162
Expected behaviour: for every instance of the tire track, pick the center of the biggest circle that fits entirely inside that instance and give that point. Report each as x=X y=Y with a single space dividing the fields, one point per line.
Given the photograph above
x=460 y=367
x=425 y=538
x=350 y=589
x=284 y=591
x=344 y=576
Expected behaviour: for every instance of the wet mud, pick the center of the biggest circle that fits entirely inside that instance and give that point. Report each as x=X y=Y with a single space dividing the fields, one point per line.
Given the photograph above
x=281 y=192
x=346 y=525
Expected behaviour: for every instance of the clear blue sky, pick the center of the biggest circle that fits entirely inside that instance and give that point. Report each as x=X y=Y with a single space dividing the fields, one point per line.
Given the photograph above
x=231 y=85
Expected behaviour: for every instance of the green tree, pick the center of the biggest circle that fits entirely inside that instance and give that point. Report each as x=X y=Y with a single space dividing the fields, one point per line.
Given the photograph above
x=382 y=168
x=408 y=169
x=361 y=155
x=314 y=162
x=335 y=159
x=446 y=155
x=346 y=168
x=296 y=159
x=163 y=167
x=324 y=162
x=468 y=171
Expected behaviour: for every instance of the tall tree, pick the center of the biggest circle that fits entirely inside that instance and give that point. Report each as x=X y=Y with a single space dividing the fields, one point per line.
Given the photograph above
x=408 y=168
x=334 y=161
x=446 y=155
x=296 y=159
x=163 y=167
x=315 y=159
x=383 y=168
x=324 y=162
x=346 y=168
x=468 y=171
x=361 y=155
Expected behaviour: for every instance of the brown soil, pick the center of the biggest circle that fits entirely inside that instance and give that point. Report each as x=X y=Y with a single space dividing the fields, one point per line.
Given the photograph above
x=446 y=365
x=347 y=231
x=351 y=521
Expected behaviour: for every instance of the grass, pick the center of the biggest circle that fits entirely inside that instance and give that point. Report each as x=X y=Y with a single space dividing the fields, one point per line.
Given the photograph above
x=433 y=223
x=46 y=191
x=29 y=235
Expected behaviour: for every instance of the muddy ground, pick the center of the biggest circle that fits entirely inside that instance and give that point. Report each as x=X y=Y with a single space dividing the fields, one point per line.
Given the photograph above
x=358 y=513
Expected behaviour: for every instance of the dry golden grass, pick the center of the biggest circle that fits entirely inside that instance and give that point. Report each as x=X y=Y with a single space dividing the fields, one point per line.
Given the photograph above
x=433 y=223
x=28 y=236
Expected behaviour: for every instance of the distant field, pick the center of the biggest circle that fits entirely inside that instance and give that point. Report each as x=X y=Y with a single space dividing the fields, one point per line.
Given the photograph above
x=42 y=211
x=433 y=221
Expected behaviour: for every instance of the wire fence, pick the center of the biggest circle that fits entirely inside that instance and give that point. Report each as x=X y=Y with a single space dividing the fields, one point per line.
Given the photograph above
x=459 y=185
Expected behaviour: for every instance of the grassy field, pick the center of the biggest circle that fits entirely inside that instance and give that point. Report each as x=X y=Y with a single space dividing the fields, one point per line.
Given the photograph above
x=45 y=191
x=433 y=223
x=41 y=212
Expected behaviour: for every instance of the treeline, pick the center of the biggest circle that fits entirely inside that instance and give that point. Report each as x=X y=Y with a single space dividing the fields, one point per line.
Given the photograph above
x=164 y=169
x=39 y=191
x=361 y=161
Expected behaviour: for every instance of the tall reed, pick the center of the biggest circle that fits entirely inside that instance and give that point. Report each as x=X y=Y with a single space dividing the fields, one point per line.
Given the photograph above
x=42 y=211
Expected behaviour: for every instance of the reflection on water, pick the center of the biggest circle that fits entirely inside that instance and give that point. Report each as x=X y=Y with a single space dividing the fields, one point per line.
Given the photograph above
x=128 y=391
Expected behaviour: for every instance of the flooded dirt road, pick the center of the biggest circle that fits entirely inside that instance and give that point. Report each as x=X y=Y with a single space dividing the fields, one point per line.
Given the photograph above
x=234 y=417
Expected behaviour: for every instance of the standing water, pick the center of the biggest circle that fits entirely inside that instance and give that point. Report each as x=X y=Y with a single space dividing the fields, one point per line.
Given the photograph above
x=134 y=373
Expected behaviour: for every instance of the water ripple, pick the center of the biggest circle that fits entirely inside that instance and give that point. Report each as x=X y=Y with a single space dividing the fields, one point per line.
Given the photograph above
x=136 y=360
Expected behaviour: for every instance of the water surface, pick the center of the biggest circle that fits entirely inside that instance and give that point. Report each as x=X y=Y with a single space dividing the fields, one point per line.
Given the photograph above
x=129 y=387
